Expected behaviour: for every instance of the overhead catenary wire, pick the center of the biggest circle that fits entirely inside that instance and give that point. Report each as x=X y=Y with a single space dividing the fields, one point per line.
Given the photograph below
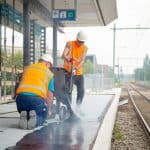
x=123 y=29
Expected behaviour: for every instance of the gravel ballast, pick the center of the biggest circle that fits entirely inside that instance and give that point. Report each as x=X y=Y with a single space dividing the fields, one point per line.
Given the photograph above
x=132 y=136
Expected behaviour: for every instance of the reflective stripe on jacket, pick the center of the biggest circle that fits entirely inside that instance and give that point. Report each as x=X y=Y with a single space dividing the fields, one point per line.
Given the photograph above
x=35 y=79
x=76 y=52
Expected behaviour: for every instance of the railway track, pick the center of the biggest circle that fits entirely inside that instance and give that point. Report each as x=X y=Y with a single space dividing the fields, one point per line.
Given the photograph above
x=141 y=102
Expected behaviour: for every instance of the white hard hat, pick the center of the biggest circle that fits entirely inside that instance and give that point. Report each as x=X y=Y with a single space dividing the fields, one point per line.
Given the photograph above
x=81 y=36
x=47 y=57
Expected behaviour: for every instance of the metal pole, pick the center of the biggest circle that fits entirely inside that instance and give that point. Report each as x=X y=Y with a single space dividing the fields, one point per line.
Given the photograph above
x=55 y=27
x=114 y=48
x=0 y=56
x=26 y=33
x=12 y=90
x=55 y=43
x=102 y=69
x=118 y=72
x=5 y=51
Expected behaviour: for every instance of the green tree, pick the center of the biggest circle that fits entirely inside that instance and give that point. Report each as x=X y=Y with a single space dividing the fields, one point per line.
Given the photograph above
x=89 y=67
x=143 y=73
x=139 y=74
x=6 y=61
x=18 y=60
x=146 y=67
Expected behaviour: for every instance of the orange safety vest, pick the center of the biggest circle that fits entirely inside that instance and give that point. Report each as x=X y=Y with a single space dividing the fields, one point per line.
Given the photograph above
x=76 y=52
x=35 y=79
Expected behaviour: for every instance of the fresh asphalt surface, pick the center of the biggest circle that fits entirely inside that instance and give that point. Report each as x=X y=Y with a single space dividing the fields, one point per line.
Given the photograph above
x=71 y=134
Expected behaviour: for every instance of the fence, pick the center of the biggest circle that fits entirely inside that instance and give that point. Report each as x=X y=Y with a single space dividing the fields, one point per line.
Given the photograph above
x=144 y=83
x=94 y=82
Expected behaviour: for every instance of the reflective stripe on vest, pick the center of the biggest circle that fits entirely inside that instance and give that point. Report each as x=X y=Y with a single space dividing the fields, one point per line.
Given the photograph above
x=39 y=88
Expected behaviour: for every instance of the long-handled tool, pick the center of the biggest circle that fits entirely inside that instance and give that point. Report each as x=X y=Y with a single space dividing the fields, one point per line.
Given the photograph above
x=71 y=76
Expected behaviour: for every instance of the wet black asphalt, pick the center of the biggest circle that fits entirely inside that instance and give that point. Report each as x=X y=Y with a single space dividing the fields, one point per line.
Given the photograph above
x=71 y=134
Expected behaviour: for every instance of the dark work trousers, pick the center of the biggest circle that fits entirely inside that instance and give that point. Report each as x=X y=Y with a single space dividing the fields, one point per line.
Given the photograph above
x=28 y=103
x=78 y=80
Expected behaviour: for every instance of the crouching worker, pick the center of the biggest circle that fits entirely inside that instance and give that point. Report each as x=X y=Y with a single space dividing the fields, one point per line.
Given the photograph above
x=35 y=93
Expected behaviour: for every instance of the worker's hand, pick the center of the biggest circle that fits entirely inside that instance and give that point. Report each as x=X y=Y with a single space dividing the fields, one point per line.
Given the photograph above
x=49 y=113
x=74 y=71
x=71 y=60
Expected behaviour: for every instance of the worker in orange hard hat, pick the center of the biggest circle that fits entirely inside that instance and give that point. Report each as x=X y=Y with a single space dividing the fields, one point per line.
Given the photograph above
x=74 y=56
x=35 y=93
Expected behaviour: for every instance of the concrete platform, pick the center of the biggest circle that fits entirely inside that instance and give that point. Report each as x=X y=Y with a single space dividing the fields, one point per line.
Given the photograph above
x=93 y=131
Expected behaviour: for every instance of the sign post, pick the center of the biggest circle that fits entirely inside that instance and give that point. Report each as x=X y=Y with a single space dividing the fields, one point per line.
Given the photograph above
x=64 y=10
x=64 y=14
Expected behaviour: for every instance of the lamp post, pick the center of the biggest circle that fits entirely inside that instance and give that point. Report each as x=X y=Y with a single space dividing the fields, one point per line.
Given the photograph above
x=114 y=48
x=118 y=72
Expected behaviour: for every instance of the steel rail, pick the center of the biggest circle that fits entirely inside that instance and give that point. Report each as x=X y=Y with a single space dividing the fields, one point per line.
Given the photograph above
x=145 y=125
x=148 y=99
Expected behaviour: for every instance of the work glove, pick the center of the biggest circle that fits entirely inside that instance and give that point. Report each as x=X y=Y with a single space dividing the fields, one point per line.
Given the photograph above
x=74 y=71
x=71 y=60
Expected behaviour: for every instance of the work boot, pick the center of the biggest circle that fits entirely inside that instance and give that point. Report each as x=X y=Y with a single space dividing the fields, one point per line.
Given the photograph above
x=32 y=120
x=23 y=124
